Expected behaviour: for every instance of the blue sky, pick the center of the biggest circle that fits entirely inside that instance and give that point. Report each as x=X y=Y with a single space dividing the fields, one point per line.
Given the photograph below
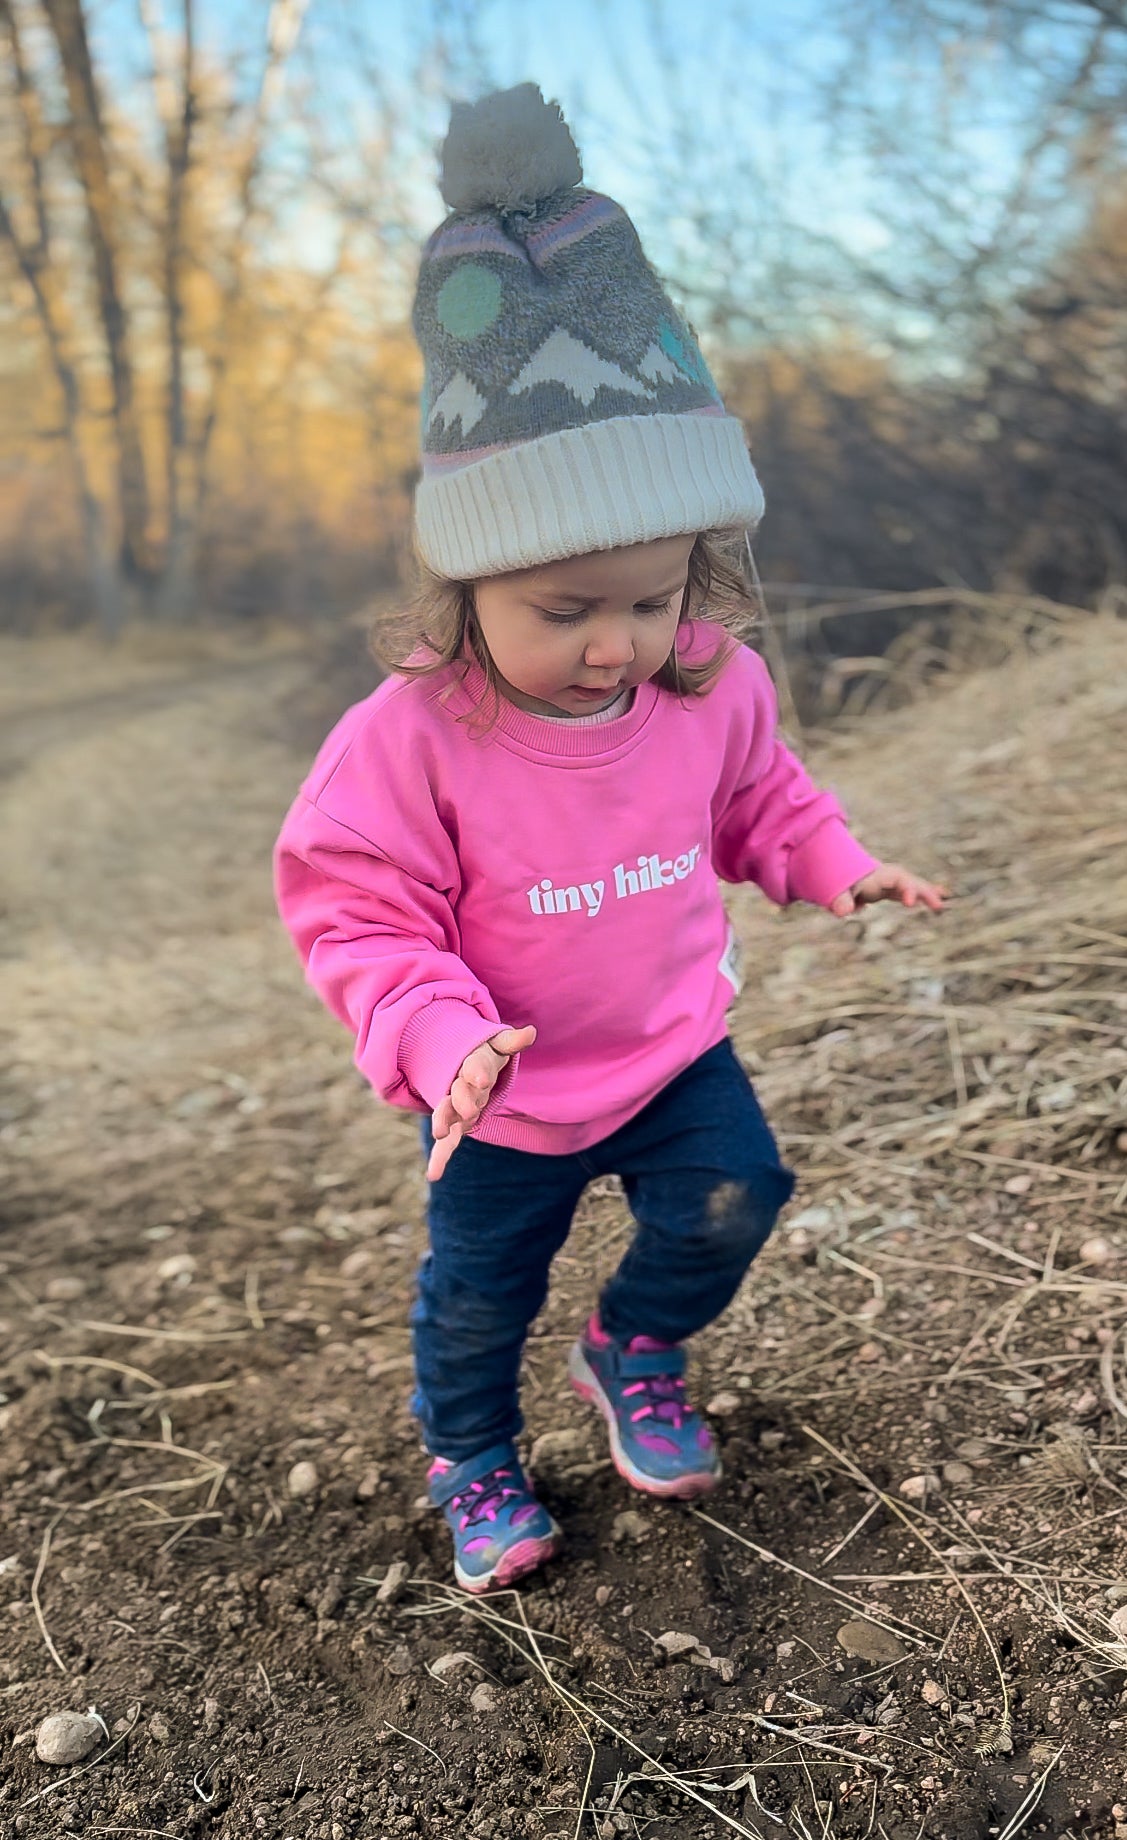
x=744 y=90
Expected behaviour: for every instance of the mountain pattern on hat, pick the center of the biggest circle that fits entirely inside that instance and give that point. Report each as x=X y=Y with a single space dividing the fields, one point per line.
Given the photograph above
x=547 y=321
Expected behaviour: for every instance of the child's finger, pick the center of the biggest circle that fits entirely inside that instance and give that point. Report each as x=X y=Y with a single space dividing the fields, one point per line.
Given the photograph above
x=843 y=906
x=469 y=1100
x=442 y=1152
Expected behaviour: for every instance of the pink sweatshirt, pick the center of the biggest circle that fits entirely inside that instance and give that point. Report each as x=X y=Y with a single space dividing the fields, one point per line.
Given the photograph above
x=440 y=883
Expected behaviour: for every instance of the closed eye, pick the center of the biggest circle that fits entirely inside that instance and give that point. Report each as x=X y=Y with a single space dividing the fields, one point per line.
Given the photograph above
x=572 y=619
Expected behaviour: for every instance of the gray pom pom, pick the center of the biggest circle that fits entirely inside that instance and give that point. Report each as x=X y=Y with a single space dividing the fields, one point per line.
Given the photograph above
x=508 y=151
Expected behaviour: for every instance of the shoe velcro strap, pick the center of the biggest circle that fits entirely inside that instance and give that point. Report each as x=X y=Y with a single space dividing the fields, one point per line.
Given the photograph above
x=444 y=1487
x=650 y=1365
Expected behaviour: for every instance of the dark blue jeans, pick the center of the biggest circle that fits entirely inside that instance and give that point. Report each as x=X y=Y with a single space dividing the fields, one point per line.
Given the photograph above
x=704 y=1183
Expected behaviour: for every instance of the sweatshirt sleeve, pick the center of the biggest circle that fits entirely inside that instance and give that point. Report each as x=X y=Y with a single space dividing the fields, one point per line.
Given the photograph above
x=772 y=825
x=379 y=944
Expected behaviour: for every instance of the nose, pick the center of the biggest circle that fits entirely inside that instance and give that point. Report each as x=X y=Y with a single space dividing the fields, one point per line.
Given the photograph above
x=610 y=647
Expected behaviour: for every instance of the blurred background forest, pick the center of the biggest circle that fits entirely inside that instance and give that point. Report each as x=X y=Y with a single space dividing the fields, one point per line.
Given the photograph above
x=899 y=226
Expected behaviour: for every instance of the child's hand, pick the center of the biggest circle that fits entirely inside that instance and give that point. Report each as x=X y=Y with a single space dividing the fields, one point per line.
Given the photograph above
x=889 y=882
x=467 y=1098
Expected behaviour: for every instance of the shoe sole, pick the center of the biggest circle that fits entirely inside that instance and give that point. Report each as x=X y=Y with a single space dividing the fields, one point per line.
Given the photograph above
x=676 y=1488
x=526 y=1556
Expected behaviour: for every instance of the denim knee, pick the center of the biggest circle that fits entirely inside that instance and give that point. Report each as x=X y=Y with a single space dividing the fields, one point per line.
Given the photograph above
x=740 y=1212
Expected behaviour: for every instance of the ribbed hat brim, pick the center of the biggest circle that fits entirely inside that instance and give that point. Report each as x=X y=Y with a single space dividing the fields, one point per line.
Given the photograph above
x=628 y=479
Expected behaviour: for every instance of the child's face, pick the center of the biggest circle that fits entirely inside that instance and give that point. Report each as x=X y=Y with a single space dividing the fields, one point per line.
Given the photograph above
x=568 y=637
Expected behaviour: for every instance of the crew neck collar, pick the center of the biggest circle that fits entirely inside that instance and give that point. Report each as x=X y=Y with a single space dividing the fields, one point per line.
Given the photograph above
x=540 y=735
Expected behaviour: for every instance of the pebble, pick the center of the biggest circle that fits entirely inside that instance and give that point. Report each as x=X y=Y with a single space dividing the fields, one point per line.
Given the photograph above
x=932 y=1693
x=399 y=1660
x=355 y=1264
x=179 y=1265
x=158 y=1728
x=1117 y=1623
x=450 y=1663
x=65 y=1290
x=722 y=1405
x=917 y=1488
x=869 y=1351
x=868 y=1642
x=1096 y=1251
x=550 y=1446
x=302 y=1480
x=67 y=1737
x=603 y=1595
x=629 y=1525
x=678 y=1642
x=394 y=1582
x=367 y=1485
x=211 y=1716
x=484 y=1698
x=972 y=1448
x=958 y=1474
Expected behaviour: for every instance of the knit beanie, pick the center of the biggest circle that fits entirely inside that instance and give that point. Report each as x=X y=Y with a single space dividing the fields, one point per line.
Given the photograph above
x=566 y=405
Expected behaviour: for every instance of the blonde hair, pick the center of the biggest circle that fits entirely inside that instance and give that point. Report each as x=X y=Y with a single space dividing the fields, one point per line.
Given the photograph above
x=442 y=620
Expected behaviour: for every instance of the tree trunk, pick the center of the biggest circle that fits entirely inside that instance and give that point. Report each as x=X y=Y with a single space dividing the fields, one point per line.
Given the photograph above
x=88 y=139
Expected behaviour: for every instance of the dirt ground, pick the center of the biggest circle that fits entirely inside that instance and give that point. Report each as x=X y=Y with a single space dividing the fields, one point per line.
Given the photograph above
x=905 y=1612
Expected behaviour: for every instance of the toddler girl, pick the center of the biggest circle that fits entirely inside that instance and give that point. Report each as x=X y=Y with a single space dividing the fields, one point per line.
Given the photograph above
x=502 y=872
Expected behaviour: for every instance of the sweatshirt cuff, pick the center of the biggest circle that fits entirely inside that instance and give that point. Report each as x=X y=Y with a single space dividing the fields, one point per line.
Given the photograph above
x=435 y=1043
x=826 y=864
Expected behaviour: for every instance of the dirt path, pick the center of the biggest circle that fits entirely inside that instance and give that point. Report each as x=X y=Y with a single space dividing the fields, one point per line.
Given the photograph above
x=207 y=1247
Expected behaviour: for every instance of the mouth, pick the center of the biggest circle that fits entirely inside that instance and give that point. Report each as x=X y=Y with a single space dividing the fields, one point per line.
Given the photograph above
x=600 y=690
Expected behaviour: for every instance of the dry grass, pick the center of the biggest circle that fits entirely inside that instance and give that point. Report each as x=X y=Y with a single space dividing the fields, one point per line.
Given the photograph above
x=951 y=1291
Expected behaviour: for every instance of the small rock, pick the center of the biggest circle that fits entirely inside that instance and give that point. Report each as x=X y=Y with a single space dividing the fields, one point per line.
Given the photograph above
x=67 y=1737
x=449 y=1664
x=772 y=1440
x=123 y=1726
x=355 y=1264
x=869 y=1642
x=677 y=1642
x=869 y=1351
x=550 y=1446
x=158 y=1728
x=932 y=1693
x=23 y=1737
x=784 y=1651
x=331 y=1597
x=973 y=1449
x=211 y=1716
x=722 y=1405
x=1097 y=1250
x=1117 y=1623
x=1018 y=1185
x=399 y=1661
x=1121 y=1146
x=65 y=1290
x=917 y=1488
x=603 y=1595
x=958 y=1474
x=180 y=1265
x=367 y=1485
x=725 y=1668
x=629 y=1525
x=296 y=1236
x=484 y=1698
x=395 y=1580
x=302 y=1480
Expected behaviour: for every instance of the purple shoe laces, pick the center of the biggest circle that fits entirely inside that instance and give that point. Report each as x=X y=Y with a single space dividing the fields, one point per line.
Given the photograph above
x=485 y=1499
x=663 y=1398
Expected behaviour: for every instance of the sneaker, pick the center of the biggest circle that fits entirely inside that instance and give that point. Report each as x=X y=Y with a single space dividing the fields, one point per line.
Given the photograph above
x=500 y=1529
x=658 y=1442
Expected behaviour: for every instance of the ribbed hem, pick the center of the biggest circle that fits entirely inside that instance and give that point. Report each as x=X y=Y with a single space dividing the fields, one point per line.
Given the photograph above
x=629 y=479
x=435 y=1043
x=826 y=864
